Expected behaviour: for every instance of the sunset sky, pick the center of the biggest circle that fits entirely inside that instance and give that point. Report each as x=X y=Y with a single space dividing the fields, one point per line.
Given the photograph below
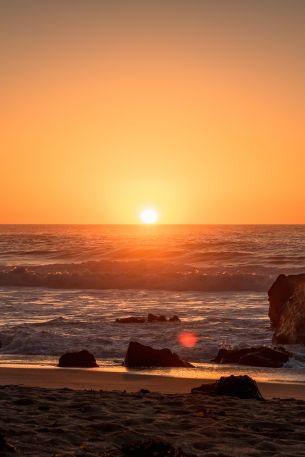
x=195 y=108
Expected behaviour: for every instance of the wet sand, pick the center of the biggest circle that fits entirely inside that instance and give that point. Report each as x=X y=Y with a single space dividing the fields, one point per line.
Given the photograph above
x=130 y=381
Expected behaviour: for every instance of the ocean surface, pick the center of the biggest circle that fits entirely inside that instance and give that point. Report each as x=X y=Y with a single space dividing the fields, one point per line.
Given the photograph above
x=62 y=287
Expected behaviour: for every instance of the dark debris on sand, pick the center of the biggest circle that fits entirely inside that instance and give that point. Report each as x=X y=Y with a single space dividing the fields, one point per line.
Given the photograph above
x=5 y=447
x=152 y=448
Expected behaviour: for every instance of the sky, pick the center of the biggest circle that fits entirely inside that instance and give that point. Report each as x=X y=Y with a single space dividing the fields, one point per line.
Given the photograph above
x=195 y=108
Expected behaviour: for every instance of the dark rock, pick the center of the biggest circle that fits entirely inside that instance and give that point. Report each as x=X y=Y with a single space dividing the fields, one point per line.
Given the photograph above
x=151 y=448
x=156 y=318
x=150 y=318
x=78 y=359
x=233 y=386
x=139 y=355
x=280 y=292
x=259 y=356
x=130 y=320
x=174 y=319
x=287 y=309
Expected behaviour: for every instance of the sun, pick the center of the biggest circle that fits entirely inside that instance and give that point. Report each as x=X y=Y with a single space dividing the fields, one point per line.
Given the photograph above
x=149 y=216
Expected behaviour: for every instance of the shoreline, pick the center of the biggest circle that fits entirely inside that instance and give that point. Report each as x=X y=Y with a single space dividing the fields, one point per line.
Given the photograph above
x=107 y=380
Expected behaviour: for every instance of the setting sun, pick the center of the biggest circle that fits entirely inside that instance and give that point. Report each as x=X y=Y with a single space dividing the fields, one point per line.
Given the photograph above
x=149 y=216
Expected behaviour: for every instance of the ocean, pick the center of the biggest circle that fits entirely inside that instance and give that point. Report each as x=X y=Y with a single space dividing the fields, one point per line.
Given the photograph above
x=62 y=287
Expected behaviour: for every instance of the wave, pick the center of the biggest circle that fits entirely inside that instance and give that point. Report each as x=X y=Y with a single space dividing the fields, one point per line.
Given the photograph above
x=153 y=275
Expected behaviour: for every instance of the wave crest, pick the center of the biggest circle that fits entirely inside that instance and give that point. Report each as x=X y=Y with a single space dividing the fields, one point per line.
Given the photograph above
x=152 y=275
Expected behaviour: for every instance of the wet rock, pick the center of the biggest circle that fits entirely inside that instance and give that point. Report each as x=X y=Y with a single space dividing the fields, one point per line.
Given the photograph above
x=174 y=319
x=138 y=355
x=259 y=356
x=151 y=318
x=156 y=318
x=234 y=386
x=130 y=320
x=287 y=309
x=83 y=359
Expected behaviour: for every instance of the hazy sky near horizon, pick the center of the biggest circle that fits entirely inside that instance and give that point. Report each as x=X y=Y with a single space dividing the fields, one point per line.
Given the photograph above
x=194 y=107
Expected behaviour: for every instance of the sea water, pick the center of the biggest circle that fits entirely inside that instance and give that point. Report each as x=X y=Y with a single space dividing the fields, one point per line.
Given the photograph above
x=62 y=287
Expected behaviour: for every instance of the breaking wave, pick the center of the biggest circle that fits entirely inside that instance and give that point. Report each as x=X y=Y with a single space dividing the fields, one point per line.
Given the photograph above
x=199 y=258
x=154 y=275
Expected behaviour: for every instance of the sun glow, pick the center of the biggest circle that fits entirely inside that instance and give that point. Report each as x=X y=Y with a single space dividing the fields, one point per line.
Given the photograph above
x=149 y=216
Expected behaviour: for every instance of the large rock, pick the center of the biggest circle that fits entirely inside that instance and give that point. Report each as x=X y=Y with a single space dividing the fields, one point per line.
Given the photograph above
x=233 y=386
x=138 y=355
x=259 y=356
x=287 y=309
x=83 y=359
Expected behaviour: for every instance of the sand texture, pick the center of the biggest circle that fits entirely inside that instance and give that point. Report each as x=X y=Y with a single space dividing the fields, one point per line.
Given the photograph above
x=63 y=422
x=130 y=380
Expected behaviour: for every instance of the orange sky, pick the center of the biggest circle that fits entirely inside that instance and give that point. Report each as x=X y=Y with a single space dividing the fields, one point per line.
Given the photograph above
x=195 y=108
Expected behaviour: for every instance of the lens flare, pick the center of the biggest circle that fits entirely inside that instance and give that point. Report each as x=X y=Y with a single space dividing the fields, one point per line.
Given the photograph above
x=188 y=339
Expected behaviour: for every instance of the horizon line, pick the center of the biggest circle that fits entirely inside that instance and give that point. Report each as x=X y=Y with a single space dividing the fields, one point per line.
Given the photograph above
x=153 y=225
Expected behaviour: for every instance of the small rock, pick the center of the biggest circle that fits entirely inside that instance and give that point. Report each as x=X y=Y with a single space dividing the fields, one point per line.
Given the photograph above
x=139 y=355
x=156 y=318
x=130 y=320
x=234 y=386
x=259 y=356
x=174 y=319
x=83 y=359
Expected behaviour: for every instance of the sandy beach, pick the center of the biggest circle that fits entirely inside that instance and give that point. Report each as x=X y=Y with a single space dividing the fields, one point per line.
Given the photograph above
x=60 y=412
x=129 y=380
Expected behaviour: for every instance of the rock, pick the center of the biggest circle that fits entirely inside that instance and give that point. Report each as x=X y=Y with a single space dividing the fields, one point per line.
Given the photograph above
x=130 y=320
x=280 y=292
x=287 y=309
x=233 y=386
x=78 y=359
x=174 y=319
x=139 y=355
x=259 y=356
x=156 y=318
x=144 y=391
x=151 y=318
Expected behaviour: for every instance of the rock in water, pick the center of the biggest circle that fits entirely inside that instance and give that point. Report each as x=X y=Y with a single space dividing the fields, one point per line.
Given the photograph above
x=287 y=309
x=82 y=359
x=151 y=318
x=260 y=356
x=138 y=355
x=174 y=319
x=232 y=386
x=156 y=318
x=130 y=320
